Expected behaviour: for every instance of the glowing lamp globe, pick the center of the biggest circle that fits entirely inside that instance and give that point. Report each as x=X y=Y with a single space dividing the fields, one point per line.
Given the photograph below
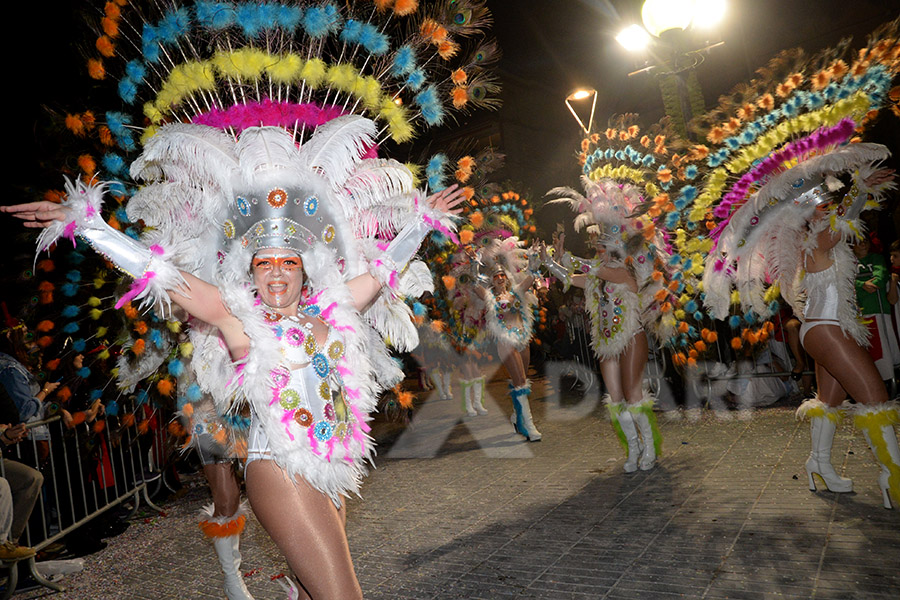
x=660 y=16
x=708 y=13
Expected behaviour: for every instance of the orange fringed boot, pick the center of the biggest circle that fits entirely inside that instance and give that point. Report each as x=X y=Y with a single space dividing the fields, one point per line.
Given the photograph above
x=225 y=533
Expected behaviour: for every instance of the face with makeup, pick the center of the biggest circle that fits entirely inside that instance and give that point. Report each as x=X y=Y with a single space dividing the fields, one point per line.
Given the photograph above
x=278 y=276
x=499 y=281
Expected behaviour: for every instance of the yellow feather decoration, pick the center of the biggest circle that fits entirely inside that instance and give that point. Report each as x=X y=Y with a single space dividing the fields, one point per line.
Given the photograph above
x=286 y=70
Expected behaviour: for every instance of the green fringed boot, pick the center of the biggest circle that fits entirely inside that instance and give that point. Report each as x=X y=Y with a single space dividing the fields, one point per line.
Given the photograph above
x=645 y=420
x=623 y=423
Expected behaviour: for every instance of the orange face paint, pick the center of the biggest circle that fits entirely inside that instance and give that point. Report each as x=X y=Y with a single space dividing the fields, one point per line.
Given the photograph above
x=283 y=263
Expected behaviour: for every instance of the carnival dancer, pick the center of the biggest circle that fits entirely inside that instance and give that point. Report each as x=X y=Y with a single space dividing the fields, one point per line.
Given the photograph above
x=622 y=295
x=796 y=227
x=281 y=327
x=213 y=437
x=509 y=315
x=468 y=333
x=786 y=190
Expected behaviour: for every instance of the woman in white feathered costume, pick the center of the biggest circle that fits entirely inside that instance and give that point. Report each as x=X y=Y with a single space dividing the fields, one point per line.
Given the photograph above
x=316 y=257
x=620 y=295
x=509 y=316
x=793 y=232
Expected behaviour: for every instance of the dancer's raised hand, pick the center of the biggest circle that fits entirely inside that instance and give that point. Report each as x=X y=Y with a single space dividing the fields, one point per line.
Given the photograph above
x=447 y=200
x=38 y=214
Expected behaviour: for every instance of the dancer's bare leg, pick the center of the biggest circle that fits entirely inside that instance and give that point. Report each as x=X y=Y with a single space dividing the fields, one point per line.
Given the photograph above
x=526 y=358
x=512 y=360
x=226 y=491
x=847 y=363
x=792 y=335
x=631 y=364
x=612 y=378
x=831 y=392
x=307 y=528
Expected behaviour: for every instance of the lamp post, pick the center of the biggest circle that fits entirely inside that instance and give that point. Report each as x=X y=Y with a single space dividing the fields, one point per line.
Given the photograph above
x=581 y=96
x=667 y=21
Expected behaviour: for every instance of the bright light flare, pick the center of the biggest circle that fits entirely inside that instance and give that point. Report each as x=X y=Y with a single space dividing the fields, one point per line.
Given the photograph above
x=708 y=13
x=633 y=38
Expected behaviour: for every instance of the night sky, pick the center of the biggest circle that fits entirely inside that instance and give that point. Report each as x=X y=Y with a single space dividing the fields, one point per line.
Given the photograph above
x=550 y=52
x=550 y=48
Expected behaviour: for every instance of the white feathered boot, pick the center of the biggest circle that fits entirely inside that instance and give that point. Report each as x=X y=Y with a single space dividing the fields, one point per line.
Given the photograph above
x=521 y=418
x=478 y=396
x=645 y=420
x=225 y=533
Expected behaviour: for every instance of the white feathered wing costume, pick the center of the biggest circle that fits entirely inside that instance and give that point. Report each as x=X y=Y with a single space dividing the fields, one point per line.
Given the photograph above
x=194 y=173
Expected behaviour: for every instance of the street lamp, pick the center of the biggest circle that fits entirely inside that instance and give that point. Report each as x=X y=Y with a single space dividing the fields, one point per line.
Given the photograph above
x=667 y=21
x=580 y=96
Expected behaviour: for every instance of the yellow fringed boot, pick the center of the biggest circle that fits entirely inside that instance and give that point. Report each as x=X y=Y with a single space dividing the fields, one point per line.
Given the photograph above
x=877 y=424
x=823 y=420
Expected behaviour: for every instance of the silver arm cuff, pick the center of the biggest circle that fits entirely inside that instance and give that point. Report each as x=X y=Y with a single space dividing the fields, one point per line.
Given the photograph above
x=388 y=267
x=127 y=254
x=560 y=272
x=405 y=245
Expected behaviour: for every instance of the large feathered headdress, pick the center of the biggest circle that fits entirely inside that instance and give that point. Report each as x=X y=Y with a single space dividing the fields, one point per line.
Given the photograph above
x=779 y=147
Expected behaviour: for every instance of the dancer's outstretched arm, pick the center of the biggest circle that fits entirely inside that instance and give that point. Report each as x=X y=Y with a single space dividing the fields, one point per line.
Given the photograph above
x=198 y=298
x=364 y=288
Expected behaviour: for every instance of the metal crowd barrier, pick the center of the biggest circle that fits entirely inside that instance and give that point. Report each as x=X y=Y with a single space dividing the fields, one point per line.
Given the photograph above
x=86 y=473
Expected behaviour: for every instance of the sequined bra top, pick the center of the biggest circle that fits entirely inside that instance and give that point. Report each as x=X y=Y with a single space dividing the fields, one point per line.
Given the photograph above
x=311 y=395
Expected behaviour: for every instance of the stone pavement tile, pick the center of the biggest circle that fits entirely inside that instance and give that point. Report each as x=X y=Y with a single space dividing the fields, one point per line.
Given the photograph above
x=591 y=588
x=651 y=589
x=723 y=506
x=767 y=577
x=463 y=590
x=735 y=594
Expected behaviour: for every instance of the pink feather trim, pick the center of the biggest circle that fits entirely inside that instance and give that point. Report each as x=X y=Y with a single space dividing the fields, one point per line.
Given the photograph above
x=313 y=442
x=69 y=232
x=436 y=224
x=137 y=287
x=821 y=139
x=360 y=418
x=287 y=418
x=267 y=112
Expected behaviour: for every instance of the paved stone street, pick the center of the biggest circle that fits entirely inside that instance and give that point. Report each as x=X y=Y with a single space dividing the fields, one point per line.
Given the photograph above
x=462 y=508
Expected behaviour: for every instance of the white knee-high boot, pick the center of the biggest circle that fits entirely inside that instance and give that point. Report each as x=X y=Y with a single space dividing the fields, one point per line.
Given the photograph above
x=225 y=533
x=877 y=424
x=823 y=421
x=624 y=425
x=437 y=377
x=447 y=390
x=478 y=396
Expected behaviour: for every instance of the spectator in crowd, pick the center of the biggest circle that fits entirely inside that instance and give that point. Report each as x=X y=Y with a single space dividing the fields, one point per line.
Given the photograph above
x=871 y=294
x=28 y=394
x=893 y=289
x=787 y=333
x=20 y=486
